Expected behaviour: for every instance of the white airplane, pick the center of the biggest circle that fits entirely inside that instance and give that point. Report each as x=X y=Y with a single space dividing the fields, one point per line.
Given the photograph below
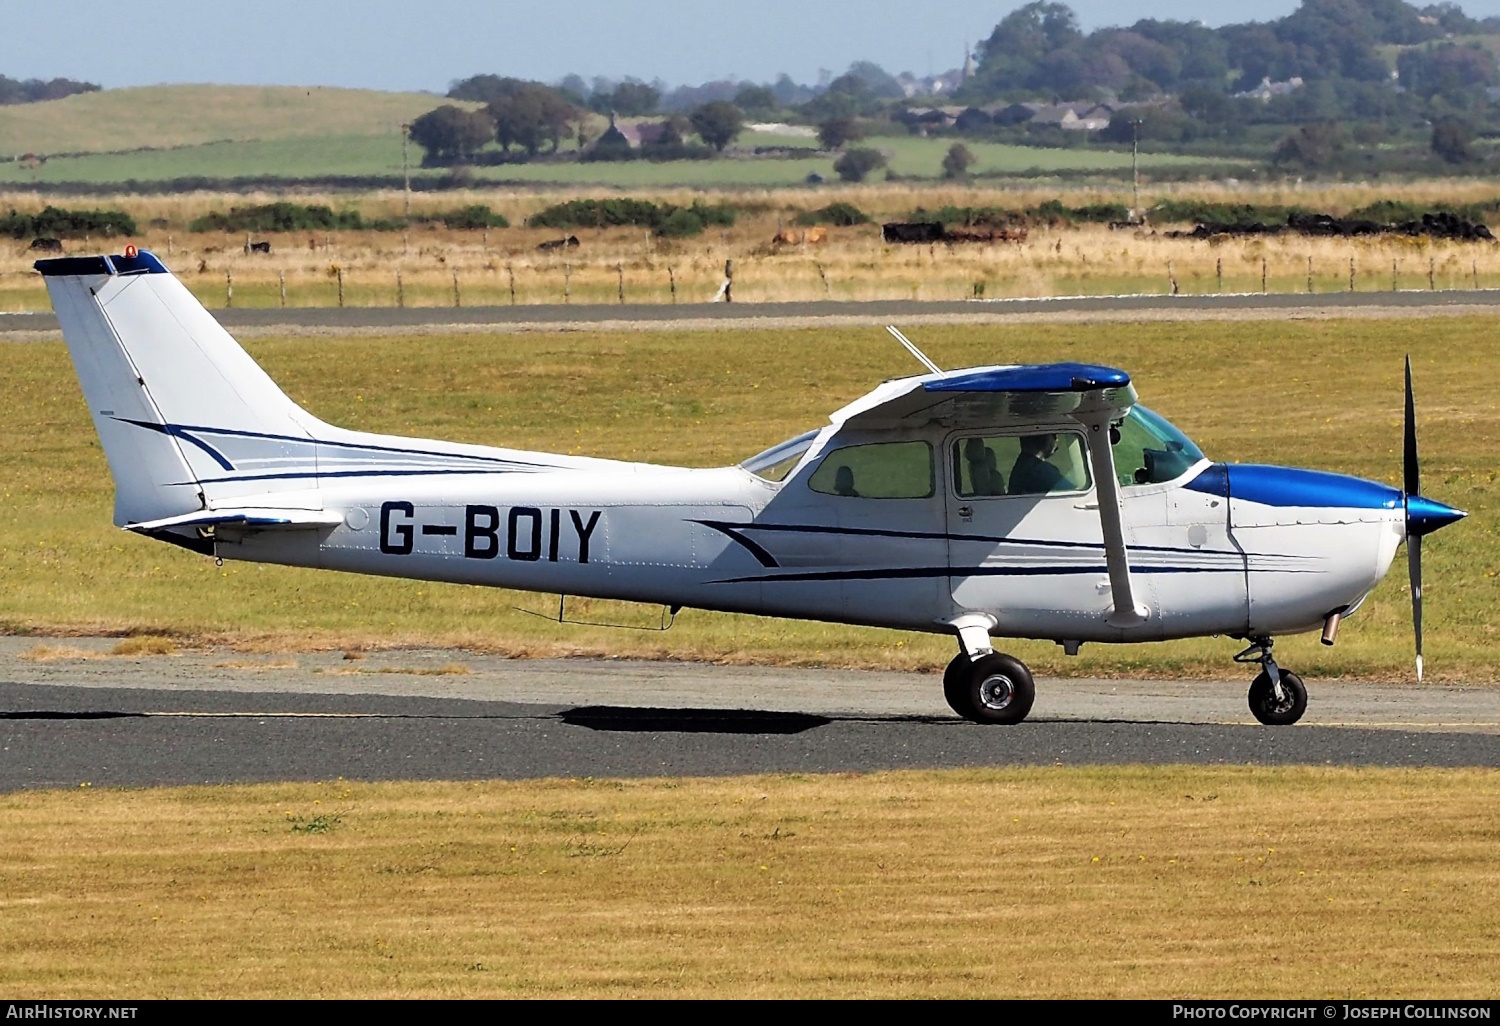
x=1007 y=501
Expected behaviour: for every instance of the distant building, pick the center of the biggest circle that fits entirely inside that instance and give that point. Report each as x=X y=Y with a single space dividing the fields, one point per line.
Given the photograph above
x=1268 y=89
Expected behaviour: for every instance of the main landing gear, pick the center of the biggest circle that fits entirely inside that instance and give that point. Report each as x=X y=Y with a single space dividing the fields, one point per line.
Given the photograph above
x=1278 y=698
x=995 y=688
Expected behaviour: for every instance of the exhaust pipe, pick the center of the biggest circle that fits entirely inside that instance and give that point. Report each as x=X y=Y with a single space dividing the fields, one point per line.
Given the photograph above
x=1331 y=627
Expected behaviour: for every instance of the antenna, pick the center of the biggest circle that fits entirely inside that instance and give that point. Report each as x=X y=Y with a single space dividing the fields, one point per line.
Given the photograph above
x=910 y=348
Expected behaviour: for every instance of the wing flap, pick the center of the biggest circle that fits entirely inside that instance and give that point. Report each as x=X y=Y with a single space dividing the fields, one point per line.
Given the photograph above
x=260 y=517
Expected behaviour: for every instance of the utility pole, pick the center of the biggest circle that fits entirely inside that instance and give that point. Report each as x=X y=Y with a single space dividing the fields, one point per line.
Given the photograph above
x=406 y=169
x=1135 y=167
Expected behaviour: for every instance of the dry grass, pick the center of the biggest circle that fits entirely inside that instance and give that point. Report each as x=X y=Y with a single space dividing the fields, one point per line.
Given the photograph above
x=255 y=664
x=446 y=670
x=853 y=265
x=1157 y=882
x=59 y=653
x=140 y=646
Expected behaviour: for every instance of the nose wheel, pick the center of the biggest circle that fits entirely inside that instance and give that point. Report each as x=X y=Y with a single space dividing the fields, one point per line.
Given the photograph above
x=995 y=688
x=1278 y=698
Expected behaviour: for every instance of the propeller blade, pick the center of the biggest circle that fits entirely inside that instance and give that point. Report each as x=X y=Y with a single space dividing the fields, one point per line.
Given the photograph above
x=1410 y=471
x=1414 y=566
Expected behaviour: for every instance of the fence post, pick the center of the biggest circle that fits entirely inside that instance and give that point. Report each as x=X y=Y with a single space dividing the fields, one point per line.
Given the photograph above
x=567 y=283
x=169 y=245
x=1263 y=276
x=1475 y=268
x=1309 y=273
x=672 y=282
x=341 y=286
x=511 y=274
x=229 y=289
x=620 y=276
x=400 y=291
x=1431 y=273
x=1394 y=272
x=457 y=296
x=827 y=292
x=281 y=280
x=1219 y=272
x=1351 y=274
x=1172 y=277
x=729 y=281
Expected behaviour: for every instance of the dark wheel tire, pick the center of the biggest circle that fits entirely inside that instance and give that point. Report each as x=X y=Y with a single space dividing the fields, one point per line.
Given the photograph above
x=1264 y=706
x=956 y=686
x=997 y=689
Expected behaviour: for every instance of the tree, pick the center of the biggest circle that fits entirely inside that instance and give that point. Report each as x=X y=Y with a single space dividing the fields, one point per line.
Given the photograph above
x=835 y=133
x=718 y=123
x=531 y=115
x=1452 y=140
x=452 y=133
x=631 y=99
x=757 y=101
x=958 y=160
x=1312 y=145
x=857 y=163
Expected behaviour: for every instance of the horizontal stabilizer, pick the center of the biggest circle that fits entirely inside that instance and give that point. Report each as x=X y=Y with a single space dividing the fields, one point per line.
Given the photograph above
x=256 y=517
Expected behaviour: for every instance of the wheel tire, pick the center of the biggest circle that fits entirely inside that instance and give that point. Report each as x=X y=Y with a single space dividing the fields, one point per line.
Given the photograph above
x=996 y=689
x=956 y=685
x=1265 y=708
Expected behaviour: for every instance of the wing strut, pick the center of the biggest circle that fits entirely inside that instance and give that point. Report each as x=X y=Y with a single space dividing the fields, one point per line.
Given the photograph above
x=1127 y=612
x=911 y=348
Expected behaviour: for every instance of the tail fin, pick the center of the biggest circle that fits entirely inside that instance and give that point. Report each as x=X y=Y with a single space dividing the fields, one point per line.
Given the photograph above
x=187 y=419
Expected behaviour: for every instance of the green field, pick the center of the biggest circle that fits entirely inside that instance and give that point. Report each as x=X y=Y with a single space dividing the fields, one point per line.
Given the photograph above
x=160 y=133
x=1325 y=394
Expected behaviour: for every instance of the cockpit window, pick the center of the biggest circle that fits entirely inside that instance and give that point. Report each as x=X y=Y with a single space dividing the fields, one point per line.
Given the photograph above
x=778 y=461
x=1151 y=450
x=880 y=470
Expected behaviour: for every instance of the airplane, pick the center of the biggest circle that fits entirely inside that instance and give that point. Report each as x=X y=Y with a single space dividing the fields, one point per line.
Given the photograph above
x=1033 y=501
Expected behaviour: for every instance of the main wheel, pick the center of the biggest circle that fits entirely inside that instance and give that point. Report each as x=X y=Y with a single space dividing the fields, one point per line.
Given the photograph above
x=996 y=689
x=1265 y=707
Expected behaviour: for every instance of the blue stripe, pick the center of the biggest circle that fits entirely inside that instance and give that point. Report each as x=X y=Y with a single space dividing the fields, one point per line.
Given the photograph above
x=362 y=446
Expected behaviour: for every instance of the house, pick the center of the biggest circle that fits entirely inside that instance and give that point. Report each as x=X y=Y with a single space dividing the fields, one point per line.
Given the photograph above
x=1268 y=89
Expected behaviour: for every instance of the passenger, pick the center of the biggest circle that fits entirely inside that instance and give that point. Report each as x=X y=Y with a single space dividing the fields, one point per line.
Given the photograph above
x=1033 y=474
x=843 y=482
x=984 y=474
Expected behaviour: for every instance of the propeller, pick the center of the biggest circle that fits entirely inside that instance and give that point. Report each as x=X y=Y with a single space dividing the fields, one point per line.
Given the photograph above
x=1411 y=482
x=1423 y=515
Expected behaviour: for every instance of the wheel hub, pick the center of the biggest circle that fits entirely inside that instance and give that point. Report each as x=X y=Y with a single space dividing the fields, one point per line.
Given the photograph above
x=997 y=691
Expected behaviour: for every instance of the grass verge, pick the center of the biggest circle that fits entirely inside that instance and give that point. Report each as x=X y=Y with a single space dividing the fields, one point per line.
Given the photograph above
x=1136 y=882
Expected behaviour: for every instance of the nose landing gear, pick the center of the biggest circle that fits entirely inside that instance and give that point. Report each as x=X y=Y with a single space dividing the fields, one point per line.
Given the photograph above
x=1278 y=698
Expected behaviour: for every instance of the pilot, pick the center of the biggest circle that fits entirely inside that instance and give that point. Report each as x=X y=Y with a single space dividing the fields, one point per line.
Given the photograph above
x=984 y=474
x=843 y=482
x=1033 y=474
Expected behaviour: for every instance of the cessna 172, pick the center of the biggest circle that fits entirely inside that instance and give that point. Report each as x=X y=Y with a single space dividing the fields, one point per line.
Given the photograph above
x=1007 y=501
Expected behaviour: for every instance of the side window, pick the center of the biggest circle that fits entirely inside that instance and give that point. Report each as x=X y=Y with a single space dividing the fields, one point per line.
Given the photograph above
x=985 y=466
x=882 y=470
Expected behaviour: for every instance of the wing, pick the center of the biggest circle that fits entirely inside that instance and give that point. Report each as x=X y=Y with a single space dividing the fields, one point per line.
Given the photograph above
x=985 y=397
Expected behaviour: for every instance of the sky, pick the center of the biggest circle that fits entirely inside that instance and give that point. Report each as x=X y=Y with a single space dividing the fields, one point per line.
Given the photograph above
x=385 y=44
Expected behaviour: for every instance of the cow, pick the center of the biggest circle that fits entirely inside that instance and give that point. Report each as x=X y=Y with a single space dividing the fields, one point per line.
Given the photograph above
x=919 y=232
x=568 y=243
x=258 y=247
x=47 y=245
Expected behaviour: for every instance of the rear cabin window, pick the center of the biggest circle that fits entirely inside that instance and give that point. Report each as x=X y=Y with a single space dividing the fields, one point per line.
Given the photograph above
x=882 y=470
x=991 y=465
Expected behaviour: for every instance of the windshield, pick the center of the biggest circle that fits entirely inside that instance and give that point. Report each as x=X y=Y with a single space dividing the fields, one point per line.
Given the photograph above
x=1151 y=450
x=777 y=462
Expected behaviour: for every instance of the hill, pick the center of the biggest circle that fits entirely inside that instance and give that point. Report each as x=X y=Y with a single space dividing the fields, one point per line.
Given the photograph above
x=190 y=115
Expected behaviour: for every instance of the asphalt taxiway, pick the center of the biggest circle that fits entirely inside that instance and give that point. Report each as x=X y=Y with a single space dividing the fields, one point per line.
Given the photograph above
x=71 y=714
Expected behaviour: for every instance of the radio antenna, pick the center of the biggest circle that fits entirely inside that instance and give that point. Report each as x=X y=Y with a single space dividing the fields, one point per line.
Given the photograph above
x=912 y=349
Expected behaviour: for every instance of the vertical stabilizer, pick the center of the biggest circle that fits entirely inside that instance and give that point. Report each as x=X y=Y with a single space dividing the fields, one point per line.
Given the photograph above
x=186 y=418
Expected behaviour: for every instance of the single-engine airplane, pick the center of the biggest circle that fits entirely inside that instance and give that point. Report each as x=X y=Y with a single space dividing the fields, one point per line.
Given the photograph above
x=1006 y=501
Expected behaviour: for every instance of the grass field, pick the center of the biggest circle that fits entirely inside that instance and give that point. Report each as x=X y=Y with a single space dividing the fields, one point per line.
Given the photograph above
x=1073 y=883
x=344 y=153
x=191 y=115
x=1320 y=393
x=852 y=264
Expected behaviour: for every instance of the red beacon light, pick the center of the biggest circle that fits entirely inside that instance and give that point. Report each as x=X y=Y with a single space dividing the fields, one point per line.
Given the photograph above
x=131 y=252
